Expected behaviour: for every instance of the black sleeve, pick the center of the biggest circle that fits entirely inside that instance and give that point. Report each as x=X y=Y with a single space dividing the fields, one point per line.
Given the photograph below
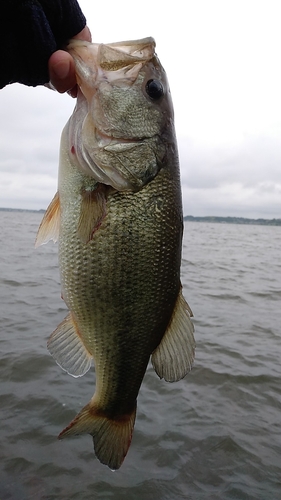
x=30 y=31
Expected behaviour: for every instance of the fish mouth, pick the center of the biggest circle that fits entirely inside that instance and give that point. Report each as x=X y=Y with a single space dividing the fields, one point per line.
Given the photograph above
x=110 y=60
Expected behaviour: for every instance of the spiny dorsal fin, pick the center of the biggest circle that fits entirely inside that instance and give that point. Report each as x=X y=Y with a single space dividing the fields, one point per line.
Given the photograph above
x=50 y=224
x=112 y=437
x=173 y=357
x=67 y=348
x=92 y=212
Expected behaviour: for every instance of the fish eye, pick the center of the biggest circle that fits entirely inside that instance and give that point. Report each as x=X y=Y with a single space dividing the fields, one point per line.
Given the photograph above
x=154 y=89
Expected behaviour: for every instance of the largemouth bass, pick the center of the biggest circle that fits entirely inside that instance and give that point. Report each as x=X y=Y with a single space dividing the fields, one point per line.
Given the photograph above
x=118 y=218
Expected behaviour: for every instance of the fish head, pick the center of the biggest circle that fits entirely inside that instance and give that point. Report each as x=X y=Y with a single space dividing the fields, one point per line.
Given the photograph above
x=124 y=115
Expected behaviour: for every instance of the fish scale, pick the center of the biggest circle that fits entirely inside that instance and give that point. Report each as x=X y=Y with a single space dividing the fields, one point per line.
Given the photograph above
x=120 y=235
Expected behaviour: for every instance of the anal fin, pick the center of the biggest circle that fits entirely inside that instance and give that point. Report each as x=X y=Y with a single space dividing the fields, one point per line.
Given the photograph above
x=68 y=350
x=173 y=357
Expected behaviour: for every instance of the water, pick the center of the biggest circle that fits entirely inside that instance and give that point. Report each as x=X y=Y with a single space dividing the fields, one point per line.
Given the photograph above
x=214 y=435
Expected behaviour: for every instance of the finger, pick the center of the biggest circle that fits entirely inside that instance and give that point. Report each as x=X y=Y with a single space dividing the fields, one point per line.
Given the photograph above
x=61 y=71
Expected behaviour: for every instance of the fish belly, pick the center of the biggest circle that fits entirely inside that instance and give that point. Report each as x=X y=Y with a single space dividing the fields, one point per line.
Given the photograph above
x=123 y=284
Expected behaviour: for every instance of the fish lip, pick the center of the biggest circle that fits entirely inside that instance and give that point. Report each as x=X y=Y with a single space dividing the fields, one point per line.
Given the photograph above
x=109 y=142
x=119 y=146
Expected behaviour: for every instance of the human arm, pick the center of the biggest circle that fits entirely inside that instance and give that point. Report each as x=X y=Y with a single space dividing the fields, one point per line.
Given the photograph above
x=31 y=32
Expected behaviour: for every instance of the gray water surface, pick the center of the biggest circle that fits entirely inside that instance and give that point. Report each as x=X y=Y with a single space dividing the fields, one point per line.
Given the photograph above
x=214 y=435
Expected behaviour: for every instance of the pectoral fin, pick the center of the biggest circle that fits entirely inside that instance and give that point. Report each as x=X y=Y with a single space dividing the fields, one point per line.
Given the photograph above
x=92 y=212
x=67 y=348
x=173 y=357
x=50 y=225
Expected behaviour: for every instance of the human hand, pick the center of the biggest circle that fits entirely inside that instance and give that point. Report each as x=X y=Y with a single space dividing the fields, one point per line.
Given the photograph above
x=61 y=67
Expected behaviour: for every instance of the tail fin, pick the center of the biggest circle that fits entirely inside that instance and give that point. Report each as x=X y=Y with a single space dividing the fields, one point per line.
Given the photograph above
x=112 y=438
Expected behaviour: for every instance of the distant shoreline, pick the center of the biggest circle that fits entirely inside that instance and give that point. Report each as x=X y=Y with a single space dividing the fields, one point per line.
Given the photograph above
x=191 y=218
x=234 y=220
x=41 y=211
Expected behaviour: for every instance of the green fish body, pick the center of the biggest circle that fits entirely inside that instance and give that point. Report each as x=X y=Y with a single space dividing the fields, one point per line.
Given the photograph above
x=118 y=218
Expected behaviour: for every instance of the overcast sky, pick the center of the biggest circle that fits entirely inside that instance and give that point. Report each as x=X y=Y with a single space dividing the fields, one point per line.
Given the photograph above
x=223 y=63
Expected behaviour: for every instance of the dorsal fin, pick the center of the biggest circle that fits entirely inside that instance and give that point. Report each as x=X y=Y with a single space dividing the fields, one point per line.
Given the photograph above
x=50 y=224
